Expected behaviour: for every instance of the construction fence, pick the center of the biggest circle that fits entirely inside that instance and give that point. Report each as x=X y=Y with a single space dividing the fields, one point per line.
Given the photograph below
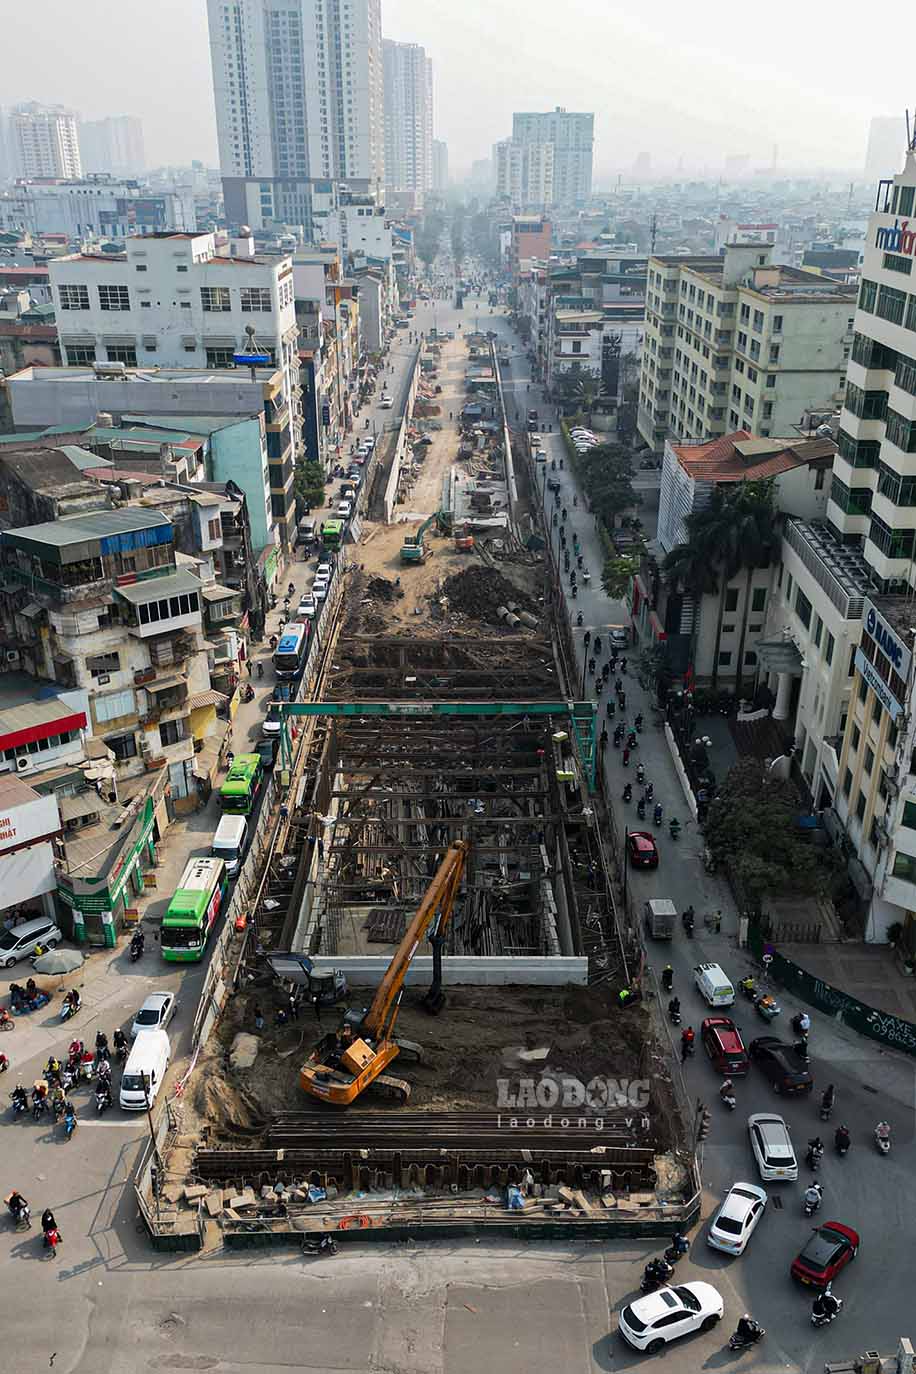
x=888 y=1030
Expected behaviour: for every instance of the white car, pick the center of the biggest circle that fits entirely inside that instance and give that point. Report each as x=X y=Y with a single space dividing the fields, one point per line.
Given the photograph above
x=772 y=1146
x=582 y=434
x=344 y=510
x=155 y=1014
x=319 y=590
x=325 y=569
x=651 y=1322
x=585 y=443
x=733 y=1225
x=385 y=403
x=306 y=608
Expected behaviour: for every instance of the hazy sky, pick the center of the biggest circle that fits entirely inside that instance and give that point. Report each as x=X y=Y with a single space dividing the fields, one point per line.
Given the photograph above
x=673 y=79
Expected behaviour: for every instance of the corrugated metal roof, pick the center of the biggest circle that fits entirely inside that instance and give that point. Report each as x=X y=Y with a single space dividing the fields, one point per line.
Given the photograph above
x=29 y=713
x=209 y=698
x=15 y=792
x=83 y=529
x=214 y=592
x=155 y=588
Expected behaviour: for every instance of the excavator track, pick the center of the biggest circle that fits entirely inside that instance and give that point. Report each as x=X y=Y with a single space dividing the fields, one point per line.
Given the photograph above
x=395 y=1088
x=410 y=1049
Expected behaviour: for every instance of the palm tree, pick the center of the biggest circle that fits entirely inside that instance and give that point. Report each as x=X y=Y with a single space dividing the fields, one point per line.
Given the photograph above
x=737 y=531
x=588 y=391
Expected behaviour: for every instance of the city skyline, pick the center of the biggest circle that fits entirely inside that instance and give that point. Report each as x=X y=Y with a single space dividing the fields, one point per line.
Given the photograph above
x=810 y=117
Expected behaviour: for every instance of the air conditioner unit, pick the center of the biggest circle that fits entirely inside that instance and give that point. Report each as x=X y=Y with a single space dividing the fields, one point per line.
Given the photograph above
x=12 y=658
x=23 y=763
x=145 y=746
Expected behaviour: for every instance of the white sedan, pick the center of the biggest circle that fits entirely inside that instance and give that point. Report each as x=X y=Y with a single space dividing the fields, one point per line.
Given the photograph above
x=651 y=1322
x=344 y=510
x=733 y=1225
x=155 y=1014
x=306 y=608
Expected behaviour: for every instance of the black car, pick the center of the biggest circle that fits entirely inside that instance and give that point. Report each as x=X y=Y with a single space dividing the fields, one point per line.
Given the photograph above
x=782 y=1066
x=267 y=749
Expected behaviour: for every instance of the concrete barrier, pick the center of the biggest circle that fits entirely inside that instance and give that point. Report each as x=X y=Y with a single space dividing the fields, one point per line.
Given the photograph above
x=389 y=497
x=491 y=970
x=680 y=770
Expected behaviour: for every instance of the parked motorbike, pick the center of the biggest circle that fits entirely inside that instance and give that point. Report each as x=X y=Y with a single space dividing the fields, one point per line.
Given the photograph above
x=319 y=1245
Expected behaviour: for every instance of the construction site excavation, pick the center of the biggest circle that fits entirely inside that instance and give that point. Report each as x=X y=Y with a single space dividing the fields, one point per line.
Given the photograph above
x=426 y=1030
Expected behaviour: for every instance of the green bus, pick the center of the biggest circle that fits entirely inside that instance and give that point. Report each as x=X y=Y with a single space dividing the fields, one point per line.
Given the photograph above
x=243 y=783
x=332 y=532
x=193 y=910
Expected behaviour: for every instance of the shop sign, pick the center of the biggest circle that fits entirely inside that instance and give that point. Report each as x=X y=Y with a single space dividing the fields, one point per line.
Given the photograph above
x=887 y=641
x=880 y=688
x=899 y=239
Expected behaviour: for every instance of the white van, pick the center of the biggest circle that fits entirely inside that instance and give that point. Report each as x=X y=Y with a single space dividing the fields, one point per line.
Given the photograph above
x=713 y=985
x=306 y=528
x=230 y=842
x=22 y=940
x=145 y=1070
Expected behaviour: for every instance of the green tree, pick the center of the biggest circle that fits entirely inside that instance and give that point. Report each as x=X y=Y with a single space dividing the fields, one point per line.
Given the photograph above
x=606 y=472
x=737 y=532
x=617 y=574
x=309 y=483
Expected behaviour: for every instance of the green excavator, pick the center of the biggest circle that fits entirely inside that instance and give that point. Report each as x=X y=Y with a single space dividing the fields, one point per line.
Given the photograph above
x=414 y=549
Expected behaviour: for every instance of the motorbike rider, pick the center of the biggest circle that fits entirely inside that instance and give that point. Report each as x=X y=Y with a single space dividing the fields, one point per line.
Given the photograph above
x=825 y=1305
x=727 y=1089
x=17 y=1204
x=101 y=1045
x=801 y=1023
x=842 y=1138
x=119 y=1041
x=687 y=1038
x=815 y=1148
x=813 y=1194
x=667 y=977
x=103 y=1093
x=674 y=1007
x=828 y=1098
x=747 y=1329
x=103 y=1072
x=19 y=1097
x=73 y=1001
x=48 y=1222
x=883 y=1131
x=657 y=1271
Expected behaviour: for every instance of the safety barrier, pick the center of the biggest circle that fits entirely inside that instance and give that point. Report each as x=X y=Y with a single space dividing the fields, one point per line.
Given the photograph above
x=476 y=970
x=888 y=1030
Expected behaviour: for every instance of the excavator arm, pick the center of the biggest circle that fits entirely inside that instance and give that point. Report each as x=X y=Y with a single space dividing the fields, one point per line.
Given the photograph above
x=439 y=900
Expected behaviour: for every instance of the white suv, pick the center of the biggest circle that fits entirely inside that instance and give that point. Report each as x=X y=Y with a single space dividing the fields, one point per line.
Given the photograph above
x=772 y=1146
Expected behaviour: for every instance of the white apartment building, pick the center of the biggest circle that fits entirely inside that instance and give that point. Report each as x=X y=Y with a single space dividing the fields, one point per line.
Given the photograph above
x=525 y=174
x=739 y=342
x=572 y=137
x=574 y=343
x=44 y=141
x=113 y=145
x=299 y=97
x=871 y=506
x=408 y=76
x=171 y=301
x=98 y=207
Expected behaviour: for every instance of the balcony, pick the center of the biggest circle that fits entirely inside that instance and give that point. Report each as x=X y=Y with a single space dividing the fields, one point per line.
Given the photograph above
x=168 y=649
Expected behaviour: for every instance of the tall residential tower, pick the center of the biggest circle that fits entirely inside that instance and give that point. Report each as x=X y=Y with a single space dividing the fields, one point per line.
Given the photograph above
x=299 y=101
x=408 y=117
x=573 y=139
x=44 y=142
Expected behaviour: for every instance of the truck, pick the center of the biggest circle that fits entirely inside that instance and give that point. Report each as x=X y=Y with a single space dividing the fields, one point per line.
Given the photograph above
x=660 y=914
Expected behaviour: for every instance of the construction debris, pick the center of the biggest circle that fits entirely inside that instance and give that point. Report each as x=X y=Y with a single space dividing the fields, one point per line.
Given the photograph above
x=481 y=592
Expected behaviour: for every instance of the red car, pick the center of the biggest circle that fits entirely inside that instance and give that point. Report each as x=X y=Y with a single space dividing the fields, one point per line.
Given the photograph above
x=722 y=1042
x=642 y=849
x=830 y=1247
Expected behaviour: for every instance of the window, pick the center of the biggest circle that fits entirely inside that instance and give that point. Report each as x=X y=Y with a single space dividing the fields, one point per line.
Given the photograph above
x=774 y=353
x=877 y=711
x=818 y=631
x=893 y=543
x=891 y=304
x=215 y=299
x=73 y=297
x=759 y=599
x=860 y=806
x=731 y=599
x=122 y=355
x=771 y=380
x=847 y=783
x=893 y=262
x=909 y=815
x=863 y=689
x=99 y=664
x=725 y=658
x=777 y=324
x=220 y=356
x=214 y=528
x=868 y=405
x=256 y=298
x=141 y=267
x=852 y=500
x=869 y=760
x=868 y=295
x=802 y=607
x=904 y=867
x=906 y=201
x=79 y=357
x=115 y=705
x=123 y=747
x=750 y=658
x=855 y=738
x=901 y=432
x=171 y=731
x=758 y=321
x=114 y=298
x=861 y=453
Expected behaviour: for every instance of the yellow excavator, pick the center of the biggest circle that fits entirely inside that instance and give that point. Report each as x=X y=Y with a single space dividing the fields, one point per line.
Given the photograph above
x=345 y=1062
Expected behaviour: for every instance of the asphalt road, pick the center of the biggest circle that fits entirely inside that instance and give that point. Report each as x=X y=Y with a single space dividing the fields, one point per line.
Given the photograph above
x=108 y=1304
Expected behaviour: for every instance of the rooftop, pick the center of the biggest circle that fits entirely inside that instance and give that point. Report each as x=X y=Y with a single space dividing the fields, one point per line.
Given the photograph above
x=230 y=376
x=15 y=792
x=88 y=529
x=740 y=457
x=50 y=471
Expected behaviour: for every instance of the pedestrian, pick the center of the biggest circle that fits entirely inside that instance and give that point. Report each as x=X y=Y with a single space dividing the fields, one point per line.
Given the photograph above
x=258 y=1017
x=316 y=1003
x=293 y=1006
x=248 y=665
x=717 y=923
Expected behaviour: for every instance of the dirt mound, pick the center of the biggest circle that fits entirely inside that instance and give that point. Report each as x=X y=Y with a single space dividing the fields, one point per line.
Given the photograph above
x=380 y=589
x=479 y=591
